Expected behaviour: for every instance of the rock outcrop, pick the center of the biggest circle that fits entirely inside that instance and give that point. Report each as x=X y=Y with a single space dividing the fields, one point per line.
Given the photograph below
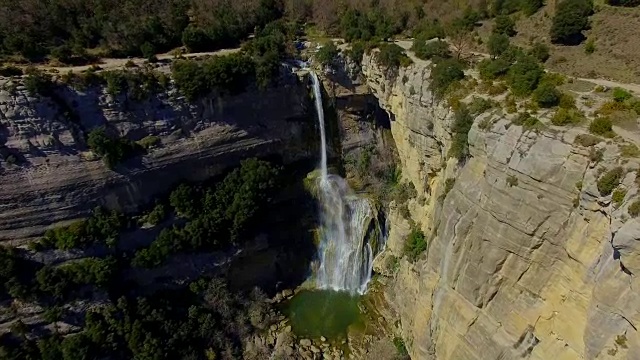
x=526 y=260
x=56 y=179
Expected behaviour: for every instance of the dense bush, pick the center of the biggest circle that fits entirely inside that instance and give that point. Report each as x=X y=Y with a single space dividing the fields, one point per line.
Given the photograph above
x=634 y=209
x=504 y=25
x=461 y=126
x=416 y=244
x=491 y=69
x=524 y=75
x=101 y=227
x=432 y=49
x=572 y=16
x=539 y=51
x=62 y=282
x=224 y=216
x=357 y=25
x=444 y=74
x=327 y=53
x=429 y=29
x=113 y=150
x=610 y=180
x=601 y=126
x=621 y=95
x=392 y=56
x=505 y=7
x=497 y=44
x=230 y=73
x=566 y=116
x=546 y=95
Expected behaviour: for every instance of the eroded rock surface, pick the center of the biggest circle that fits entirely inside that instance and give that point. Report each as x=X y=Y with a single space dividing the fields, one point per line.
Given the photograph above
x=526 y=260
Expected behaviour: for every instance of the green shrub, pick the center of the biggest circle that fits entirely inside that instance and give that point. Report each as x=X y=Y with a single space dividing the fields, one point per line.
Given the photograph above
x=567 y=101
x=546 y=95
x=156 y=215
x=601 y=126
x=101 y=227
x=357 y=51
x=392 y=56
x=571 y=17
x=497 y=44
x=416 y=244
x=530 y=7
x=113 y=150
x=400 y=347
x=38 y=83
x=629 y=150
x=491 y=69
x=327 y=53
x=432 y=49
x=590 y=47
x=587 y=140
x=621 y=95
x=504 y=25
x=443 y=74
x=610 y=180
x=596 y=155
x=524 y=75
x=479 y=105
x=618 y=197
x=460 y=129
x=527 y=121
x=448 y=186
x=634 y=209
x=539 y=51
x=512 y=181
x=566 y=117
x=429 y=29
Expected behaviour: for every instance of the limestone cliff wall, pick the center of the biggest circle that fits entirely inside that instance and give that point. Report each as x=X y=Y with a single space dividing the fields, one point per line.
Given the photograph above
x=526 y=260
x=57 y=179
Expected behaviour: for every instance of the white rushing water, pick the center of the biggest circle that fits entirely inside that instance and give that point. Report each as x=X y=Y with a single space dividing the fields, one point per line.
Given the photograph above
x=345 y=254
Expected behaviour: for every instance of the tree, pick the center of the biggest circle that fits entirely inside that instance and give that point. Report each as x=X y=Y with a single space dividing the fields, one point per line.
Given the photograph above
x=459 y=37
x=530 y=7
x=443 y=74
x=572 y=16
x=183 y=199
x=523 y=76
x=504 y=25
x=539 y=51
x=432 y=49
x=546 y=95
x=491 y=69
x=327 y=53
x=497 y=44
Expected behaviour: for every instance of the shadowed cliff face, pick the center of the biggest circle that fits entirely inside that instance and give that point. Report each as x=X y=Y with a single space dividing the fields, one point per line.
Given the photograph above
x=57 y=179
x=526 y=260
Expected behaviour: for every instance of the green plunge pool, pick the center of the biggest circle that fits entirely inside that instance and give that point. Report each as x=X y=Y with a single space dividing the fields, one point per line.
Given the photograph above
x=315 y=313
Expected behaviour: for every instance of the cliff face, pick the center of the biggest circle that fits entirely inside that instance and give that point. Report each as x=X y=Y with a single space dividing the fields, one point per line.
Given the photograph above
x=57 y=179
x=525 y=259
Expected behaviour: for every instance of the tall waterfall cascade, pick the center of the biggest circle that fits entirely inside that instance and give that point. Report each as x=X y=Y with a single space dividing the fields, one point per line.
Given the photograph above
x=345 y=251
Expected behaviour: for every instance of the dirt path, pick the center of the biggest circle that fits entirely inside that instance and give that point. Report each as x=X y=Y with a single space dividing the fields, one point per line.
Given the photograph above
x=111 y=63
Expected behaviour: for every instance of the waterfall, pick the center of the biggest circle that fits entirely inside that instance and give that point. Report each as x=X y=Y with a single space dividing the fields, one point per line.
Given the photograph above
x=345 y=252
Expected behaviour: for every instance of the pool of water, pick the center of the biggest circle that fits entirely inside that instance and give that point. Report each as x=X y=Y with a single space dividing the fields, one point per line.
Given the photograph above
x=315 y=313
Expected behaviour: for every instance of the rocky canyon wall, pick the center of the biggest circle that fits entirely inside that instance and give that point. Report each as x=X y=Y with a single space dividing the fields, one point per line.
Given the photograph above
x=53 y=177
x=525 y=259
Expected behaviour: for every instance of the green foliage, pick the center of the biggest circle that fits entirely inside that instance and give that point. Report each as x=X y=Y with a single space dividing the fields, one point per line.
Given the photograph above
x=524 y=75
x=566 y=117
x=587 y=140
x=400 y=347
x=218 y=216
x=230 y=73
x=38 y=83
x=596 y=155
x=61 y=282
x=504 y=25
x=621 y=95
x=448 y=186
x=530 y=7
x=601 y=126
x=479 y=105
x=546 y=95
x=539 y=51
x=629 y=150
x=357 y=51
x=432 y=49
x=467 y=22
x=527 y=121
x=610 y=180
x=512 y=181
x=327 y=53
x=506 y=7
x=392 y=56
x=590 y=47
x=491 y=69
x=358 y=25
x=101 y=227
x=113 y=150
x=634 y=209
x=429 y=29
x=618 y=196
x=415 y=245
x=149 y=142
x=497 y=44
x=571 y=17
x=461 y=126
x=444 y=74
